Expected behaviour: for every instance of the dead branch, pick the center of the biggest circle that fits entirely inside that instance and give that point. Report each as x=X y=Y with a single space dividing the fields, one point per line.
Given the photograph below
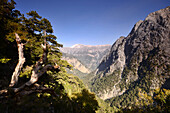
x=14 y=79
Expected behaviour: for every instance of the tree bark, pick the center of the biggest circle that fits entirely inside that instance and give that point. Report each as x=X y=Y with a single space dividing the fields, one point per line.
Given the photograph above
x=14 y=79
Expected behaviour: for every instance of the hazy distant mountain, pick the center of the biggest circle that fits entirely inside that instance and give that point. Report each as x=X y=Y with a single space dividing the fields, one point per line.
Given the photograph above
x=137 y=64
x=84 y=58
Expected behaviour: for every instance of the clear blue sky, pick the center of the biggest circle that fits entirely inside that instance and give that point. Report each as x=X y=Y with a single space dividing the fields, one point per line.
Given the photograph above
x=91 y=22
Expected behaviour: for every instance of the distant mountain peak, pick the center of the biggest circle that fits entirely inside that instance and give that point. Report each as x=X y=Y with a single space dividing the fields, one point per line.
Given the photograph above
x=77 y=46
x=81 y=45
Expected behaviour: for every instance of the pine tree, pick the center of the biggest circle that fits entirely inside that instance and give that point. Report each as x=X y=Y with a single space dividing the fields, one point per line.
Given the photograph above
x=30 y=53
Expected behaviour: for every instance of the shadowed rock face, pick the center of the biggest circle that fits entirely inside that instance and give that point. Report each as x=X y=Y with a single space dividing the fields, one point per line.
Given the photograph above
x=143 y=53
x=115 y=60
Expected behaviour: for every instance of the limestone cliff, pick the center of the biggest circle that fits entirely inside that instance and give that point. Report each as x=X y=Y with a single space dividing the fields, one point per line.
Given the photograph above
x=141 y=59
x=76 y=64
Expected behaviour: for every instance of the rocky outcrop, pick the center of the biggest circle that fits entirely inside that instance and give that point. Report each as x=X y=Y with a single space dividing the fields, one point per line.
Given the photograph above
x=141 y=58
x=76 y=64
x=115 y=60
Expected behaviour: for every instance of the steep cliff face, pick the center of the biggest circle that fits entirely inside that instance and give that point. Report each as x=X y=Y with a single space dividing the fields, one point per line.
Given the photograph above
x=141 y=59
x=115 y=60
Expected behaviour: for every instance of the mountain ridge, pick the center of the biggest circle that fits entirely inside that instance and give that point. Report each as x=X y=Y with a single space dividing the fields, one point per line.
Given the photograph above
x=138 y=61
x=82 y=45
x=89 y=56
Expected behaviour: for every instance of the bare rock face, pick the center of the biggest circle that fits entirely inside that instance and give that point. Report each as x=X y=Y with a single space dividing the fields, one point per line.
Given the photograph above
x=115 y=60
x=76 y=64
x=87 y=55
x=84 y=58
x=143 y=57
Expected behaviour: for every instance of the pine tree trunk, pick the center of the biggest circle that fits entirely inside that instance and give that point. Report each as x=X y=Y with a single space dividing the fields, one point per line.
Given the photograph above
x=45 y=48
x=37 y=71
x=21 y=62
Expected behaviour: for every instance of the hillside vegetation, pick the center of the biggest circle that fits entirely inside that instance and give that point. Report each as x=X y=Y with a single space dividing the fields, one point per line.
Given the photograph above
x=33 y=76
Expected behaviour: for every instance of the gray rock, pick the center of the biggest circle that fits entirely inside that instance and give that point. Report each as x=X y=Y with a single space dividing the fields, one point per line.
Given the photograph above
x=145 y=50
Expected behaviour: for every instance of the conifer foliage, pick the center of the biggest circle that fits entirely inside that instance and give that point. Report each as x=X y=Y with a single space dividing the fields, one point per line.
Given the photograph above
x=32 y=74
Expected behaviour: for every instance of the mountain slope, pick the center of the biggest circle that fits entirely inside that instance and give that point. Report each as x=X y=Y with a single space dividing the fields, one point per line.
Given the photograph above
x=79 y=69
x=137 y=63
x=84 y=58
